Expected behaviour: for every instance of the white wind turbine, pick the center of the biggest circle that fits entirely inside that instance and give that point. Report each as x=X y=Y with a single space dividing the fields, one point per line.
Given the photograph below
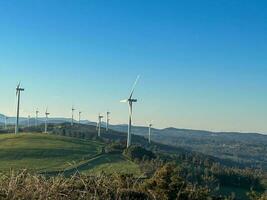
x=130 y=102
x=29 y=118
x=46 y=119
x=18 y=90
x=100 y=117
x=6 y=118
x=108 y=120
x=149 y=132
x=36 y=117
x=72 y=115
x=80 y=117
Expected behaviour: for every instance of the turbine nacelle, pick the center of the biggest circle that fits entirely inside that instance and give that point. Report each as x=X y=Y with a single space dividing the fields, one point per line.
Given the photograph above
x=19 y=89
x=46 y=112
x=132 y=100
x=128 y=100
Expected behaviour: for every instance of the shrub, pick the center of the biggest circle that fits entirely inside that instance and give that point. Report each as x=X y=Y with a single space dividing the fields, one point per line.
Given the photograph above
x=138 y=153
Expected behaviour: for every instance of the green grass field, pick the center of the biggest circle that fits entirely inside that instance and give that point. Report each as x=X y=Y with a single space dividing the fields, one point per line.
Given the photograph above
x=113 y=164
x=41 y=152
x=55 y=154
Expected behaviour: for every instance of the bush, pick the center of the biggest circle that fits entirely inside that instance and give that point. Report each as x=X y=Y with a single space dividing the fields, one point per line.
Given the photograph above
x=138 y=153
x=114 y=148
x=130 y=194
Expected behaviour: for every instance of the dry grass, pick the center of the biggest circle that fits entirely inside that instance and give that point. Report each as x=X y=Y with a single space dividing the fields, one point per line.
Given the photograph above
x=25 y=186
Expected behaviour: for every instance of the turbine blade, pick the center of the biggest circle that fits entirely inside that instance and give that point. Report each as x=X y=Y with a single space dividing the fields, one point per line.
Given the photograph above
x=131 y=94
x=124 y=101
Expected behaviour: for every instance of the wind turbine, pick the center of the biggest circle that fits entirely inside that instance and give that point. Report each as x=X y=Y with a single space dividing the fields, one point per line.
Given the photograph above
x=29 y=118
x=130 y=102
x=36 y=117
x=108 y=119
x=46 y=119
x=72 y=115
x=149 y=133
x=80 y=117
x=6 y=118
x=18 y=90
x=99 y=124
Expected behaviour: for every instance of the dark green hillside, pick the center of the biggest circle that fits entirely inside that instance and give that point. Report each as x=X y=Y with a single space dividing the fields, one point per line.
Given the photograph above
x=244 y=149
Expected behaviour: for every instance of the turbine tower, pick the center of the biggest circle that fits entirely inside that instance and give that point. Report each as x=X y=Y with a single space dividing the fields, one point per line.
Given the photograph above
x=46 y=119
x=6 y=118
x=130 y=102
x=99 y=124
x=80 y=117
x=108 y=119
x=72 y=115
x=149 y=133
x=18 y=90
x=36 y=117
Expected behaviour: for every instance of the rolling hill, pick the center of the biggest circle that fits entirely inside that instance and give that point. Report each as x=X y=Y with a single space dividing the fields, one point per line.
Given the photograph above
x=245 y=149
x=51 y=154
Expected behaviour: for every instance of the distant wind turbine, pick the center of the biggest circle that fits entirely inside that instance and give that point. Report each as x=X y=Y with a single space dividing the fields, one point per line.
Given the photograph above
x=36 y=117
x=6 y=118
x=108 y=119
x=18 y=90
x=130 y=102
x=80 y=117
x=72 y=115
x=29 y=118
x=46 y=119
x=149 y=133
x=100 y=117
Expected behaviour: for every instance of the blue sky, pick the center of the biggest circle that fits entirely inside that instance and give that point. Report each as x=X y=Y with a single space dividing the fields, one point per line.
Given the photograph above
x=203 y=63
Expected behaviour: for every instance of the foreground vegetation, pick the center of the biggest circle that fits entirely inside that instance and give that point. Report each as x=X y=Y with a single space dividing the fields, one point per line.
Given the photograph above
x=102 y=168
x=165 y=184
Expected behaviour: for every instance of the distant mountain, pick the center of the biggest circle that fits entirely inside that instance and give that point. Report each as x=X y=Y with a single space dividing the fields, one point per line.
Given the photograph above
x=41 y=120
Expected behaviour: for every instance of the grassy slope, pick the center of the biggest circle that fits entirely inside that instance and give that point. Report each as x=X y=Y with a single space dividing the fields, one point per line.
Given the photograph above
x=54 y=154
x=113 y=164
x=43 y=152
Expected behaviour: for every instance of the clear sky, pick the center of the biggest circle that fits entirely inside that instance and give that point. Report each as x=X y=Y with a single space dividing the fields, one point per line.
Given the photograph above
x=203 y=64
